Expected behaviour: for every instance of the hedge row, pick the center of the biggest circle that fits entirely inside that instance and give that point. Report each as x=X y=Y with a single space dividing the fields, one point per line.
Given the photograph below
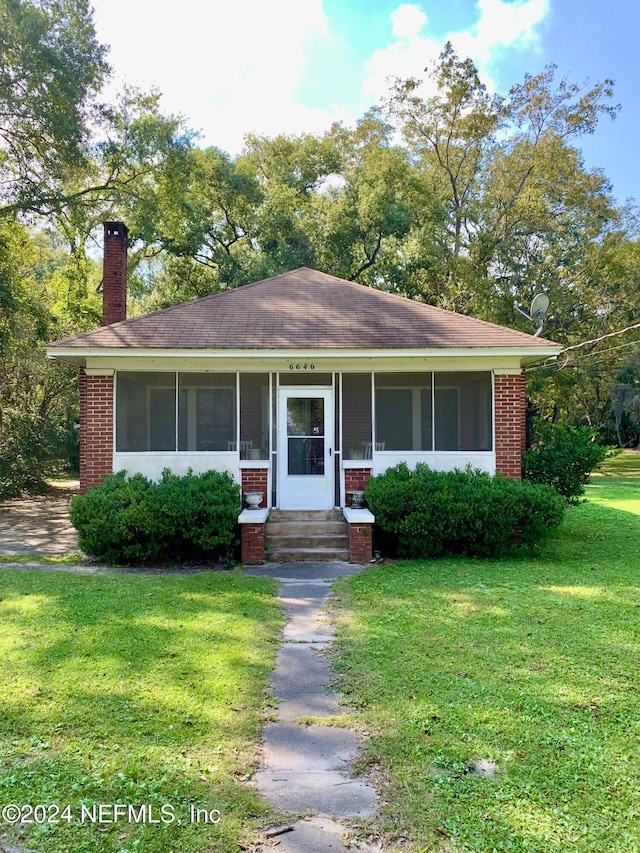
x=130 y=520
x=426 y=513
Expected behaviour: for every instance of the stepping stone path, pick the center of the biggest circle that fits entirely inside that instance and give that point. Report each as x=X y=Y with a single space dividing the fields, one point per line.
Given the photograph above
x=306 y=767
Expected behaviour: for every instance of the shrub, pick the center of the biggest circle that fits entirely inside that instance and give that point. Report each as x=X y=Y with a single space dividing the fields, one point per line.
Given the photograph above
x=564 y=457
x=428 y=513
x=127 y=520
x=25 y=454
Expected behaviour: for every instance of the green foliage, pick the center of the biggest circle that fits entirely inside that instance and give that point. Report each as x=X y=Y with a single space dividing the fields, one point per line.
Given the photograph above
x=564 y=457
x=128 y=520
x=38 y=399
x=430 y=513
x=52 y=67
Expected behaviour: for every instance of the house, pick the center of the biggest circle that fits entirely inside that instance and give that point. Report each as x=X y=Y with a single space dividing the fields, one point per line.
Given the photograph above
x=301 y=386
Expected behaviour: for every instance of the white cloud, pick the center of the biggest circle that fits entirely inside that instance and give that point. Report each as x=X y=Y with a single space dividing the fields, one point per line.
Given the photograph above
x=228 y=67
x=232 y=68
x=407 y=21
x=500 y=25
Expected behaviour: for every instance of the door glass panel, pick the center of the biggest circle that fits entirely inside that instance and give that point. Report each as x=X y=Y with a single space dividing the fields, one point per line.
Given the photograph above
x=305 y=416
x=306 y=456
x=305 y=436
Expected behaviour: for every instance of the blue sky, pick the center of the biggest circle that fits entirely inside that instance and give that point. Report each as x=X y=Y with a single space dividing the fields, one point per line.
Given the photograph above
x=297 y=65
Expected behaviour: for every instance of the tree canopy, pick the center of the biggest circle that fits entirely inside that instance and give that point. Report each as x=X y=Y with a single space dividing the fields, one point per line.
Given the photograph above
x=445 y=192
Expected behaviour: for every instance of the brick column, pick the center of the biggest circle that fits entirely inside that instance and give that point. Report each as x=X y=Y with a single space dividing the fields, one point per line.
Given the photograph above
x=510 y=423
x=355 y=479
x=96 y=429
x=360 y=534
x=253 y=542
x=360 y=542
x=255 y=480
x=253 y=527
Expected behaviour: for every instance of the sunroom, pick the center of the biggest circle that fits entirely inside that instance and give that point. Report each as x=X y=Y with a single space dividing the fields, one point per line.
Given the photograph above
x=311 y=432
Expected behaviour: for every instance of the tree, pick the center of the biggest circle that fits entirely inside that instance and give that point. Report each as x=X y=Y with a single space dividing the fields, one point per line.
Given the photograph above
x=38 y=399
x=505 y=169
x=51 y=70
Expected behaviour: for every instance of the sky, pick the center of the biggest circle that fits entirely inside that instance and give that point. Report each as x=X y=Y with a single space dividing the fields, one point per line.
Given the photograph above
x=295 y=66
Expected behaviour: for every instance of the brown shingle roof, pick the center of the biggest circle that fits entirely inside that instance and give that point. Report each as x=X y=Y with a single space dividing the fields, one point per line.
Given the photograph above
x=303 y=309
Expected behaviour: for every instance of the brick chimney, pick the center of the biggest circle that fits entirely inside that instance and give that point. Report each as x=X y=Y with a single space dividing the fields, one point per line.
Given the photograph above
x=114 y=274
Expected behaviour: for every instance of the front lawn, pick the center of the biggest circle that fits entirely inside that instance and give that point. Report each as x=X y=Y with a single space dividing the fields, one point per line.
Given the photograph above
x=133 y=689
x=502 y=697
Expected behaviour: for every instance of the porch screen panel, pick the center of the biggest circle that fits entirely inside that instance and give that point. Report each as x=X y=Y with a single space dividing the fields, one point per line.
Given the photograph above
x=403 y=411
x=145 y=411
x=207 y=411
x=357 y=422
x=254 y=415
x=463 y=411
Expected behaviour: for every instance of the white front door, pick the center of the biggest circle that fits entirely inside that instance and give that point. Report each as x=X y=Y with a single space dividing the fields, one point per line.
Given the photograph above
x=305 y=448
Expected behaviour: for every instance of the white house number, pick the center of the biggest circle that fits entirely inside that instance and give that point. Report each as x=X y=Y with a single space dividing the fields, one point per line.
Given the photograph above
x=302 y=365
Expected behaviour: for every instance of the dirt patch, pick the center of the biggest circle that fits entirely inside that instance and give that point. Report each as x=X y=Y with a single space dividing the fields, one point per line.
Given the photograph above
x=39 y=524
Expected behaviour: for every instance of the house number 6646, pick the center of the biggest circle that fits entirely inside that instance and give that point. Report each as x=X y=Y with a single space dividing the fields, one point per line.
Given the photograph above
x=302 y=365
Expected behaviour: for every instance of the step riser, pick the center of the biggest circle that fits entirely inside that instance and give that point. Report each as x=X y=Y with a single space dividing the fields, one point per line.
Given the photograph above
x=303 y=555
x=306 y=536
x=308 y=528
x=283 y=543
x=306 y=515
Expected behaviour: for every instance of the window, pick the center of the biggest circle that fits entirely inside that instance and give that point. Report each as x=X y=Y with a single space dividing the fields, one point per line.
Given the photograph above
x=420 y=412
x=462 y=406
x=169 y=411
x=254 y=415
x=357 y=423
x=145 y=411
x=207 y=411
x=403 y=411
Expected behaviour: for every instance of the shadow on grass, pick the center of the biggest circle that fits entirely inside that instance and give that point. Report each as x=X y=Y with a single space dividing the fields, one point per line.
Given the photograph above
x=527 y=664
x=137 y=690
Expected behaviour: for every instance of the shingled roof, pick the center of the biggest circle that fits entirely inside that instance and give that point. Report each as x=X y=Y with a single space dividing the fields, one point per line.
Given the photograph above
x=303 y=309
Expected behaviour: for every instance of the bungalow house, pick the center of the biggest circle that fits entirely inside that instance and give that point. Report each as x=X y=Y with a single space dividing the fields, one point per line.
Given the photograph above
x=301 y=386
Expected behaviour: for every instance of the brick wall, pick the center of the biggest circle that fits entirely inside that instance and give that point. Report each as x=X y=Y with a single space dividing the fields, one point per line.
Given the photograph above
x=252 y=541
x=96 y=429
x=510 y=423
x=356 y=479
x=360 y=542
x=255 y=480
x=114 y=273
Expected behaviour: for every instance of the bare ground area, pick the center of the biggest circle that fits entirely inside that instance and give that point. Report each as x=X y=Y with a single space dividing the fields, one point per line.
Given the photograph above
x=39 y=524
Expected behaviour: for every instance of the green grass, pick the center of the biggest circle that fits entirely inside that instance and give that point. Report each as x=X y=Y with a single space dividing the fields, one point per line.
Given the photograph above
x=73 y=558
x=530 y=664
x=135 y=689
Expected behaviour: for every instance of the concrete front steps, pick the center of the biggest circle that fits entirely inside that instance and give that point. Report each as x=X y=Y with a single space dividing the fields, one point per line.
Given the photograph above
x=294 y=536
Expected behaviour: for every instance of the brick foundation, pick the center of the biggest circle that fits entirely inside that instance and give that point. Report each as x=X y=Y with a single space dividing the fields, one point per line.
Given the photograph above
x=253 y=541
x=510 y=424
x=96 y=429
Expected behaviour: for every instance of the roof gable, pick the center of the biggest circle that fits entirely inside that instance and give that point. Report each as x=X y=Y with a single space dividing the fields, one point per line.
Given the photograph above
x=303 y=309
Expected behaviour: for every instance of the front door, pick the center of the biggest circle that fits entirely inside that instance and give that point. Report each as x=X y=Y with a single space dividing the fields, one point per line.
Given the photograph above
x=305 y=448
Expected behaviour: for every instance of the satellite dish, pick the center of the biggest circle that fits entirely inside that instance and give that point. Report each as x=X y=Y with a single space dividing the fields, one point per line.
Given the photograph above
x=539 y=307
x=537 y=312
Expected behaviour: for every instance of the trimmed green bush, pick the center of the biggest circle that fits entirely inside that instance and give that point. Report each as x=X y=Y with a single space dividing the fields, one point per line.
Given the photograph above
x=134 y=520
x=426 y=513
x=564 y=457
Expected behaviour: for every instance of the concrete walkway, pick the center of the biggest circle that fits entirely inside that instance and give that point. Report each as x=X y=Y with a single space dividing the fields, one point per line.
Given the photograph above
x=306 y=767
